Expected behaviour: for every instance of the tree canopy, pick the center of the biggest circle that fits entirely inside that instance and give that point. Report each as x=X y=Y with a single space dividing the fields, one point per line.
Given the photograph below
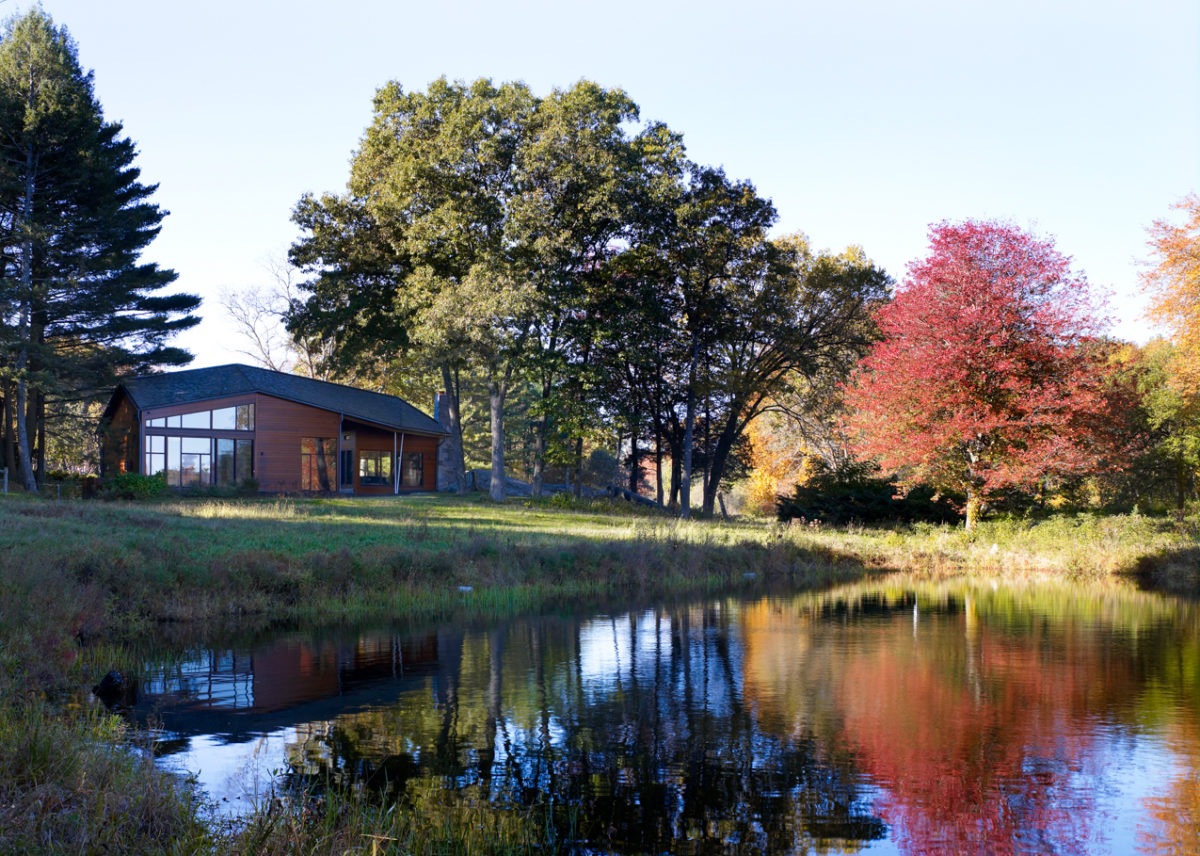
x=77 y=306
x=982 y=379
x=553 y=243
x=1173 y=283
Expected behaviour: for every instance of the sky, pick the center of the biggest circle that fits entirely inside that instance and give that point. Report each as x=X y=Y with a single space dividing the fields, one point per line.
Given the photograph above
x=865 y=121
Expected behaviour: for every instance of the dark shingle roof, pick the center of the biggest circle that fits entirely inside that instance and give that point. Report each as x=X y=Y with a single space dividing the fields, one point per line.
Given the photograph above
x=183 y=387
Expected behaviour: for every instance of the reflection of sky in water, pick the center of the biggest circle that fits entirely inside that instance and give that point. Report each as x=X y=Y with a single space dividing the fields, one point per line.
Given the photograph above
x=234 y=776
x=618 y=652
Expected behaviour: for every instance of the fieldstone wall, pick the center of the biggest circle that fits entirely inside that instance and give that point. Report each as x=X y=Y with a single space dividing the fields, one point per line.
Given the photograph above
x=445 y=452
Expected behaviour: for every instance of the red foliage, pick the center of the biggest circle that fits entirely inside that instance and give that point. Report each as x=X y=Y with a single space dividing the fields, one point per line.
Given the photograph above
x=984 y=378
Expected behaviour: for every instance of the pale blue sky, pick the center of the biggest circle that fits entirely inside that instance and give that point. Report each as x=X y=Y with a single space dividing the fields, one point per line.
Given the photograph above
x=863 y=121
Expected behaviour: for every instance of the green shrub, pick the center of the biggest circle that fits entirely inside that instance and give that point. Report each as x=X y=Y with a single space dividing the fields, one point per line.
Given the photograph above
x=134 y=486
x=858 y=498
x=71 y=485
x=248 y=487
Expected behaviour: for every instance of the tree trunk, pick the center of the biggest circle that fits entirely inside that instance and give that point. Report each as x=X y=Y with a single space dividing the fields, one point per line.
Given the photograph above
x=635 y=468
x=720 y=456
x=704 y=492
x=25 y=329
x=658 y=479
x=497 y=390
x=689 y=430
x=39 y=421
x=10 y=440
x=578 y=467
x=453 y=416
x=676 y=466
x=540 y=427
x=539 y=458
x=974 y=506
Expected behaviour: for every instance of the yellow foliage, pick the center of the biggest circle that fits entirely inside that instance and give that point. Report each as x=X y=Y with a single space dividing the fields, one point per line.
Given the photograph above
x=778 y=464
x=1173 y=284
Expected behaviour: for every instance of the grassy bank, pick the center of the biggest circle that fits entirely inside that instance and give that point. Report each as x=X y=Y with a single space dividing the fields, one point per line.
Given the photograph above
x=82 y=583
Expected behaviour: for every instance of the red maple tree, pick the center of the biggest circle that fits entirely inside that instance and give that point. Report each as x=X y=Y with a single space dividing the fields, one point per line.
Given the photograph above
x=984 y=377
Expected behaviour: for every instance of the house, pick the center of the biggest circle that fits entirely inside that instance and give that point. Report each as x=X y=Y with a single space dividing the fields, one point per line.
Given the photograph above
x=222 y=425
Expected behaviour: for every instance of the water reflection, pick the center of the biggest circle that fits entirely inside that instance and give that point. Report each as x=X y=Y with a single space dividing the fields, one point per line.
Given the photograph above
x=910 y=719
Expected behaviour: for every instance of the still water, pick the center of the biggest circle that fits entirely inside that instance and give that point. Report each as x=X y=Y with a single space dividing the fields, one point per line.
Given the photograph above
x=868 y=719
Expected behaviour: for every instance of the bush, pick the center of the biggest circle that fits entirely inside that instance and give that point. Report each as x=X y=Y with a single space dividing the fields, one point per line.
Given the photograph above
x=248 y=487
x=859 y=498
x=72 y=485
x=600 y=468
x=134 y=486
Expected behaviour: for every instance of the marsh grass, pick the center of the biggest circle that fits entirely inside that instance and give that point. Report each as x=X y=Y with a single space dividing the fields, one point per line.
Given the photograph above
x=83 y=583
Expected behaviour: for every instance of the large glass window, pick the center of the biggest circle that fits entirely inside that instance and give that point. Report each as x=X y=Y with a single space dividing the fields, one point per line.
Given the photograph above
x=156 y=455
x=245 y=459
x=375 y=468
x=237 y=418
x=413 y=473
x=195 y=461
x=226 y=462
x=235 y=460
x=318 y=456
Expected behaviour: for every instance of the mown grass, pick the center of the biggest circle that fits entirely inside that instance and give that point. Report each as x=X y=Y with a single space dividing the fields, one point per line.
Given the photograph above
x=82 y=583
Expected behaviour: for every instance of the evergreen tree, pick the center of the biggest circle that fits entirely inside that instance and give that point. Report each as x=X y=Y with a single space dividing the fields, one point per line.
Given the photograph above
x=78 y=306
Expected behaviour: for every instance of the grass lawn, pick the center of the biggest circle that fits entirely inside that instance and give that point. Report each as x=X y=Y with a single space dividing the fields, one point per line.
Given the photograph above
x=82 y=582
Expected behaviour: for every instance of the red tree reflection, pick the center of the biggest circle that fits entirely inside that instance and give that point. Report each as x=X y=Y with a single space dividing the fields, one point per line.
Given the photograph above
x=979 y=738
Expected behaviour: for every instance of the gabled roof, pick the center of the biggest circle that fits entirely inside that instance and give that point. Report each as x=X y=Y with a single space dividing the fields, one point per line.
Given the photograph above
x=196 y=385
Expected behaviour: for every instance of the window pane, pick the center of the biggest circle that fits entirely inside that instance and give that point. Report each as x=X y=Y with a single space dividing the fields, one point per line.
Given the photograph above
x=160 y=422
x=196 y=420
x=245 y=417
x=174 y=422
x=375 y=468
x=226 y=470
x=155 y=464
x=189 y=472
x=173 y=461
x=245 y=459
x=413 y=474
x=224 y=419
x=197 y=446
x=156 y=443
x=317 y=463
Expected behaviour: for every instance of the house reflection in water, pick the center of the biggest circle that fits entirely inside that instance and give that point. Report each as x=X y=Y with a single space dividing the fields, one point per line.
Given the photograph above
x=239 y=694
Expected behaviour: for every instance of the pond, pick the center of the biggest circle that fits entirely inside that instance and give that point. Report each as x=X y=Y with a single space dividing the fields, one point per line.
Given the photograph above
x=887 y=718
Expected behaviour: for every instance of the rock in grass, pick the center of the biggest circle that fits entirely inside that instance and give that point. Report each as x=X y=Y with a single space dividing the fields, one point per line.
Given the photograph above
x=115 y=690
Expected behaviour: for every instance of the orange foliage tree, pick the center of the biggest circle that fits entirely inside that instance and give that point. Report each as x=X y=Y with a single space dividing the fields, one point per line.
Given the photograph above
x=1173 y=283
x=778 y=461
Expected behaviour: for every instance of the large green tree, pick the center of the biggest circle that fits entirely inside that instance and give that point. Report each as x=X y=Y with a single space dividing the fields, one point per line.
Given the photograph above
x=79 y=307
x=475 y=227
x=577 y=175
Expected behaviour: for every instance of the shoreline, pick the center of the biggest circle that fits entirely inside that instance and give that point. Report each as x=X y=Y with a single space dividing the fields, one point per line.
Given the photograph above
x=106 y=575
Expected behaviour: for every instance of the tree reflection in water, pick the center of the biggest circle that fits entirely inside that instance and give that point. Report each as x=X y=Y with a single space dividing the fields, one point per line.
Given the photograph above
x=943 y=718
x=628 y=733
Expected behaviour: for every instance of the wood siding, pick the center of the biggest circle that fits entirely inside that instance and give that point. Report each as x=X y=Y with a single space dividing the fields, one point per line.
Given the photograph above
x=120 y=441
x=278 y=427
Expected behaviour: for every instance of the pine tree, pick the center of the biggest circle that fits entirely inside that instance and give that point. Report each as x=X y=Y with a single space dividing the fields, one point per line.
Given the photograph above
x=78 y=308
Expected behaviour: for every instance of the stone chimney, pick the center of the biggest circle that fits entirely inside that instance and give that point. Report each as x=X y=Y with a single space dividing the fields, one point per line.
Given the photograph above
x=441 y=409
x=445 y=468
